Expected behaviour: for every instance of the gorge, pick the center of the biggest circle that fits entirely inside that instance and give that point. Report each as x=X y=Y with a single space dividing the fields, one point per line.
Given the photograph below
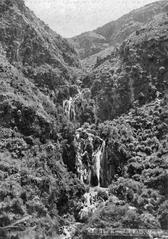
x=90 y=148
x=83 y=147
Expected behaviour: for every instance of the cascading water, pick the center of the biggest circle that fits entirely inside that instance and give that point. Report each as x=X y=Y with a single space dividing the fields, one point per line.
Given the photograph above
x=69 y=109
x=69 y=106
x=89 y=147
x=97 y=158
x=89 y=156
x=90 y=152
x=75 y=106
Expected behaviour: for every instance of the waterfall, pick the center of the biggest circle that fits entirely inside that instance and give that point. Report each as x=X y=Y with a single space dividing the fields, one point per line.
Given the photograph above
x=69 y=109
x=71 y=105
x=89 y=147
x=89 y=155
x=97 y=158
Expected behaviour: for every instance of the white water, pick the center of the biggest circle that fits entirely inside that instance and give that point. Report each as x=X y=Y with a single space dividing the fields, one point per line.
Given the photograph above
x=91 y=202
x=90 y=151
x=69 y=109
x=97 y=158
x=69 y=106
x=92 y=158
x=84 y=172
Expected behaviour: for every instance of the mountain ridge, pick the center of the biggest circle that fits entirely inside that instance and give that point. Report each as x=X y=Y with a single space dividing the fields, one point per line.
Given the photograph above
x=81 y=148
x=115 y=32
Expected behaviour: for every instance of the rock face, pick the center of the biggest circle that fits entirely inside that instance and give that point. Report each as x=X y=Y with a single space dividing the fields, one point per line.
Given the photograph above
x=90 y=151
x=115 y=32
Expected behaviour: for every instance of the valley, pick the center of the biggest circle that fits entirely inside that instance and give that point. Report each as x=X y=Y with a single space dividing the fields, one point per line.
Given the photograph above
x=84 y=143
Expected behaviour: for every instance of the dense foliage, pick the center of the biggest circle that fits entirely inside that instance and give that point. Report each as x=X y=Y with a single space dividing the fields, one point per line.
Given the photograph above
x=115 y=32
x=122 y=101
x=137 y=160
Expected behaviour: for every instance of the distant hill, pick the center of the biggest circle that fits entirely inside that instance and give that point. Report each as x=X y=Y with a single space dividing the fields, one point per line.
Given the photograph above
x=113 y=33
x=64 y=121
x=89 y=62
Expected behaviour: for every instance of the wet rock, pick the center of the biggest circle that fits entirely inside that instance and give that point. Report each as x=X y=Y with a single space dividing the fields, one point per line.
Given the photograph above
x=162 y=70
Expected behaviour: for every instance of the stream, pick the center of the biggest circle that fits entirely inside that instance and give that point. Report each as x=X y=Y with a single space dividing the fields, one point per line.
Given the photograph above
x=90 y=150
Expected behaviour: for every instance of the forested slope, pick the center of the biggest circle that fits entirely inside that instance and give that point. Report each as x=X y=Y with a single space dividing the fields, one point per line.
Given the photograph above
x=55 y=118
x=115 y=32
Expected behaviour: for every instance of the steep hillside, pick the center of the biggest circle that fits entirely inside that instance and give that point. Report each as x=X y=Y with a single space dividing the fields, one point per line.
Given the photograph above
x=115 y=32
x=33 y=47
x=126 y=155
x=37 y=67
x=134 y=72
x=136 y=167
x=77 y=149
x=89 y=62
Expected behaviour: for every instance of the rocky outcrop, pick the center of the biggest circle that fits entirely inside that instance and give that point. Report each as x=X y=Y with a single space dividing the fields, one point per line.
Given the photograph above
x=116 y=32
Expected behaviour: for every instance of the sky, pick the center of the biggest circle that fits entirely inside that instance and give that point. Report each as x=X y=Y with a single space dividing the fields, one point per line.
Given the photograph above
x=72 y=17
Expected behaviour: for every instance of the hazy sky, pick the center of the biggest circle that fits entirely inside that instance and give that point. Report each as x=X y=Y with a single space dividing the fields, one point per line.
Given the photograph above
x=71 y=17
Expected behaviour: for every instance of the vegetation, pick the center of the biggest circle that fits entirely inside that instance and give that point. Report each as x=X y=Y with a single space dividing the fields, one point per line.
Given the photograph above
x=113 y=33
x=121 y=100
x=136 y=169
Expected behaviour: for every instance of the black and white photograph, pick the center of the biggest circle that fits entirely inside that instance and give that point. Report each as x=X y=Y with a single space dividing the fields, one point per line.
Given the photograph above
x=83 y=119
